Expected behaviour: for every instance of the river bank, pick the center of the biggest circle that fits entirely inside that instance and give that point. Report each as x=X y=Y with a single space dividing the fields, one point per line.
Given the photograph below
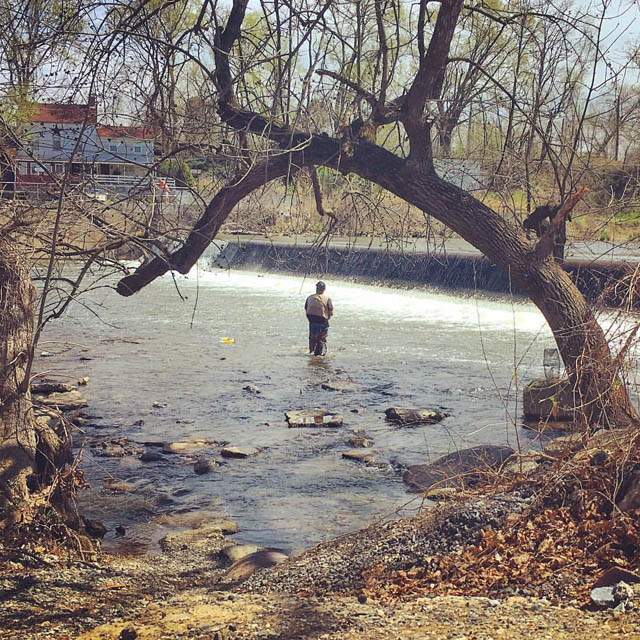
x=164 y=372
x=325 y=593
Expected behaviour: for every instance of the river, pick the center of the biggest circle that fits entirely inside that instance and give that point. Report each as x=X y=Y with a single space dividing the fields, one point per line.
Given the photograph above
x=165 y=345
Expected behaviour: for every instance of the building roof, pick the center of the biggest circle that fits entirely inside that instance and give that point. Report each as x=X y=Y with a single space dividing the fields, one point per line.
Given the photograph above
x=139 y=133
x=65 y=113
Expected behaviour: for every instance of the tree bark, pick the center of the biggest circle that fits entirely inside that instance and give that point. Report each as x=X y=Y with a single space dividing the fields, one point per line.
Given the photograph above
x=17 y=423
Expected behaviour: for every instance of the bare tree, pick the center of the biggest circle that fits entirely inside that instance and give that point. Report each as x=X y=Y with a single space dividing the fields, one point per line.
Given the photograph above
x=602 y=399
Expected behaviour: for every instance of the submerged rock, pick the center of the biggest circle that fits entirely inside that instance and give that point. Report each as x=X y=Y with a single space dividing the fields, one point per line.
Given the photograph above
x=458 y=469
x=341 y=385
x=114 y=484
x=151 y=455
x=414 y=416
x=313 y=418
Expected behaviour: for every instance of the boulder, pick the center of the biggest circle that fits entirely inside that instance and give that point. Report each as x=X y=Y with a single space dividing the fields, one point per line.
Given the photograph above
x=45 y=388
x=564 y=445
x=313 y=418
x=151 y=455
x=341 y=385
x=360 y=442
x=201 y=536
x=458 y=469
x=239 y=452
x=65 y=401
x=236 y=552
x=84 y=381
x=521 y=464
x=414 y=416
x=549 y=399
x=204 y=465
x=613 y=575
x=609 y=597
x=184 y=446
x=442 y=493
x=628 y=498
x=94 y=528
x=243 y=568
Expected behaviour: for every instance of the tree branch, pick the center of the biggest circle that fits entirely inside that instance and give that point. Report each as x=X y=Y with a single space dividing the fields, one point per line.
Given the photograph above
x=427 y=84
x=544 y=246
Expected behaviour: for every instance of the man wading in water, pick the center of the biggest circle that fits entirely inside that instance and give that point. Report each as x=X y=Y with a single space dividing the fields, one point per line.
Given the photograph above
x=319 y=309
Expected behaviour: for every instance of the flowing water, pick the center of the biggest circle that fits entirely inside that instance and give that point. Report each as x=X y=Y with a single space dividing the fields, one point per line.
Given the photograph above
x=165 y=345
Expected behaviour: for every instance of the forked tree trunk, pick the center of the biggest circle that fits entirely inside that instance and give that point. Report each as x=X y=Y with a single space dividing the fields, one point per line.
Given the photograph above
x=17 y=430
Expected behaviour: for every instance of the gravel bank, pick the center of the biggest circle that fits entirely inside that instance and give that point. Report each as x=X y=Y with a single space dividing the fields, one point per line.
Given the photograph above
x=337 y=565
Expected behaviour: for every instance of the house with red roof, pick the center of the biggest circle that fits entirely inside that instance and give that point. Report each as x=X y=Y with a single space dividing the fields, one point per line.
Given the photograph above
x=65 y=137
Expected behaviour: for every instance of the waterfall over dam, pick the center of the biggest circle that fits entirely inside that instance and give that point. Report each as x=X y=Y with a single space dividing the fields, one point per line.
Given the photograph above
x=604 y=282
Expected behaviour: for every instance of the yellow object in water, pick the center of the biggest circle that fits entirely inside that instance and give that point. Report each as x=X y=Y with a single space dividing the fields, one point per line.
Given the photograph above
x=226 y=340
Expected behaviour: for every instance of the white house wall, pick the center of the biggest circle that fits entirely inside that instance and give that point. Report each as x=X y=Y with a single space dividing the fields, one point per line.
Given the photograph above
x=62 y=142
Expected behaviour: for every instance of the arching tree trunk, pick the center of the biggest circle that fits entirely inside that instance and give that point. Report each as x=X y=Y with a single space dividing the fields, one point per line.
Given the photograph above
x=601 y=398
x=17 y=424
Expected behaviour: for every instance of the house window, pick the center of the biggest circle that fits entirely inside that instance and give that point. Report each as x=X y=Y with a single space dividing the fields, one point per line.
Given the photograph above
x=36 y=169
x=137 y=149
x=56 y=139
x=23 y=168
x=113 y=147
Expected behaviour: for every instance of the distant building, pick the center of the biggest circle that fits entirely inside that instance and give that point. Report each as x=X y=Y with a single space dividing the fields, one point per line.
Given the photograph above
x=67 y=136
x=125 y=151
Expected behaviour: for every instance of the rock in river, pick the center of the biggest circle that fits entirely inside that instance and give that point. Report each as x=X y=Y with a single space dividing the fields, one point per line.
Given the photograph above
x=151 y=455
x=204 y=465
x=48 y=387
x=239 y=452
x=458 y=469
x=341 y=385
x=184 y=446
x=66 y=401
x=360 y=442
x=358 y=455
x=313 y=418
x=414 y=416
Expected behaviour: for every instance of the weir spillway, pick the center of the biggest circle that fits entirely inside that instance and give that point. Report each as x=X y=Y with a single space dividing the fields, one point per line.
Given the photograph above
x=609 y=283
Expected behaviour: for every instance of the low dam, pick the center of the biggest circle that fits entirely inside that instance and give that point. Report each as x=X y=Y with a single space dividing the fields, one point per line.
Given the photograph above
x=604 y=282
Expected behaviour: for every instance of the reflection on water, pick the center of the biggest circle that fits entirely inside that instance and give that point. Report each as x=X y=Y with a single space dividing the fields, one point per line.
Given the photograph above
x=405 y=348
